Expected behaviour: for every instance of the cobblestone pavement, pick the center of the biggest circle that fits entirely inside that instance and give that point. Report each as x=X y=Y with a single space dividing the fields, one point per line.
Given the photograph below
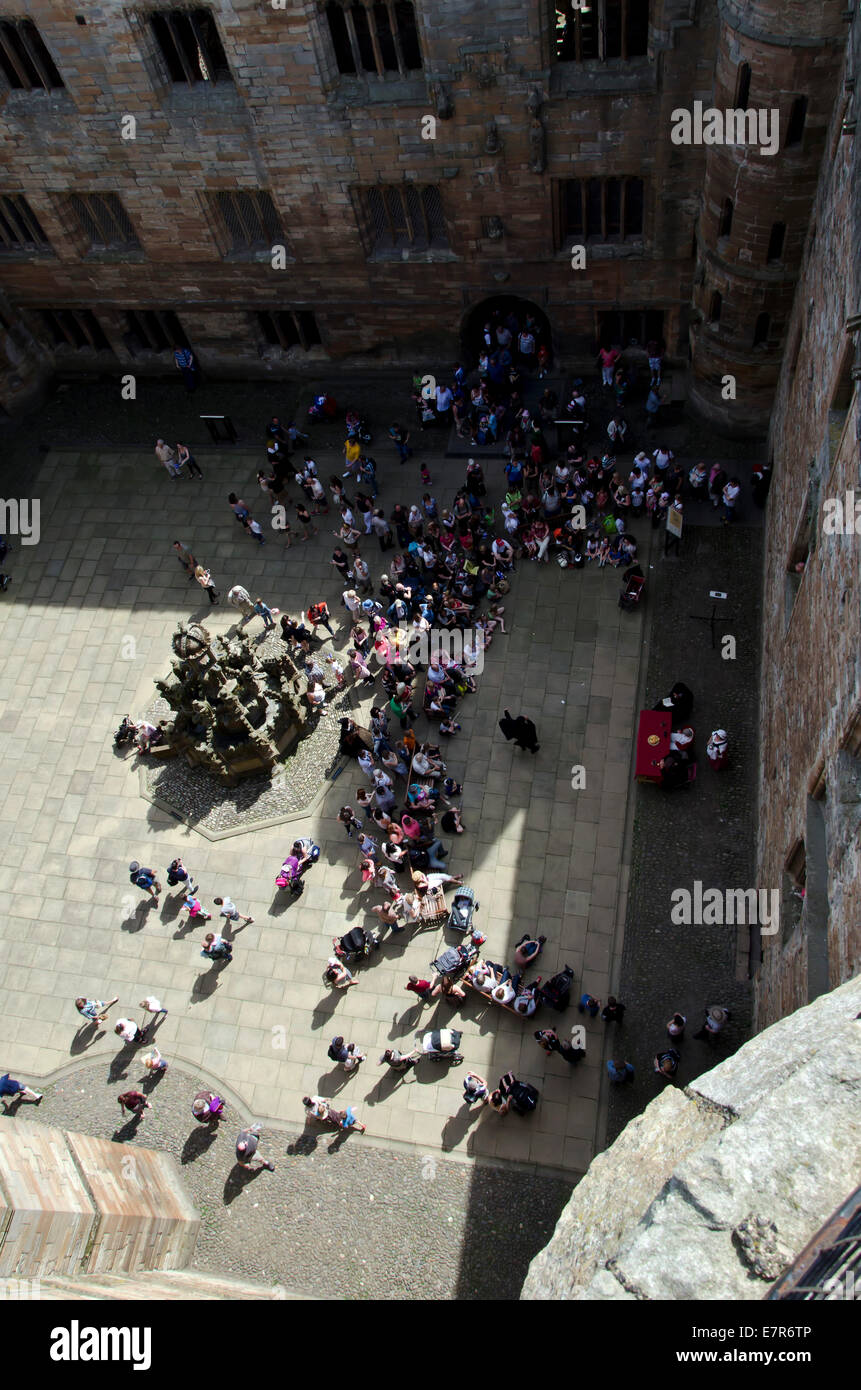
x=707 y=832
x=339 y=1217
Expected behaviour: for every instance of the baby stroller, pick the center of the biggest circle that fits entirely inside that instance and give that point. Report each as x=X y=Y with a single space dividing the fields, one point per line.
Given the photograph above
x=632 y=593
x=455 y=959
x=557 y=991
x=462 y=909
x=356 y=943
x=442 y=1045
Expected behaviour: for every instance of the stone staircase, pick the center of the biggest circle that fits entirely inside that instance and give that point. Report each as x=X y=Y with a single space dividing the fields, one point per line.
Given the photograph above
x=85 y=1218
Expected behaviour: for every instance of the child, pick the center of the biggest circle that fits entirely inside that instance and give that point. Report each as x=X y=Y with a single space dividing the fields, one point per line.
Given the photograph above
x=254 y=529
x=194 y=909
x=592 y=548
x=603 y=552
x=336 y=669
x=429 y=504
x=425 y=475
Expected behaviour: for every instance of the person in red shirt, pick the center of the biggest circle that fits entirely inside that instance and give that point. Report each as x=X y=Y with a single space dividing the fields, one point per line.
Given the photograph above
x=422 y=988
x=318 y=616
x=608 y=357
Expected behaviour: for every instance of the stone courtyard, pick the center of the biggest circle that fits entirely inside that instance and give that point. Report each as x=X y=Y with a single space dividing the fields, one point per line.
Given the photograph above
x=86 y=628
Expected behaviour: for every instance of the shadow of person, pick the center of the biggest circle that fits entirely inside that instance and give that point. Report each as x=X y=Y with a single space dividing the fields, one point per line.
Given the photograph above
x=198 y=1142
x=183 y=929
x=334 y=1080
x=387 y=1085
x=455 y=1130
x=119 y=1067
x=85 y=1037
x=137 y=921
x=305 y=1145
x=206 y=984
x=171 y=907
x=127 y=1130
x=149 y=1081
x=326 y=1008
x=238 y=1179
x=407 y=1022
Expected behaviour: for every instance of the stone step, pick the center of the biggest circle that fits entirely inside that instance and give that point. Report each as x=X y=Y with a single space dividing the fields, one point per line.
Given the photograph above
x=189 y=1285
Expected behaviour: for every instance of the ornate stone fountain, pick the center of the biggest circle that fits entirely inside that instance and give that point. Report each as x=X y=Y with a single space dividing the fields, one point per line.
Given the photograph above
x=232 y=713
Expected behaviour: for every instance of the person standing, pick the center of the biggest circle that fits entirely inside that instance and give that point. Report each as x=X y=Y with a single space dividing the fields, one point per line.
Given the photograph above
x=178 y=875
x=186 y=559
x=204 y=579
x=135 y=1102
x=217 y=948
x=305 y=521
x=613 y=1011
x=145 y=879
x=185 y=459
x=318 y=615
x=94 y=1010
x=10 y=1090
x=128 y=1030
x=522 y=730
x=154 y=1061
x=608 y=358
x=165 y=455
x=246 y=1149
x=153 y=1006
x=715 y=1021
x=254 y=529
x=676 y=1026
x=730 y=497
x=443 y=403
x=401 y=439
x=620 y=1071
x=423 y=988
x=346 y=1054
x=186 y=363
x=240 y=599
x=228 y=909
x=265 y=612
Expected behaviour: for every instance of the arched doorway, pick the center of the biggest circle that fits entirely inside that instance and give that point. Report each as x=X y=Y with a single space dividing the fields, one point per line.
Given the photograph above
x=497 y=309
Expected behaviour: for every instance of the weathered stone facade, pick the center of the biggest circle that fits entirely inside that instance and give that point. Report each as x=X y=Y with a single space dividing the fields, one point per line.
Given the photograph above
x=810 y=788
x=286 y=122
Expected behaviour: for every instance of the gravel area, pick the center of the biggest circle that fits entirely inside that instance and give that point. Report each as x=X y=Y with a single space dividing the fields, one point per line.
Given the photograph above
x=338 y=1217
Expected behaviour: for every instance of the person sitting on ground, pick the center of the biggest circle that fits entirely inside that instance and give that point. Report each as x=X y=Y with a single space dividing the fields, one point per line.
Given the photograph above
x=337 y=974
x=451 y=822
x=528 y=949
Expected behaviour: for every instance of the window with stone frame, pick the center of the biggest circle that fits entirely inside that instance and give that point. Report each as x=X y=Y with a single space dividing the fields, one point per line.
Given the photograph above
x=374 y=39
x=247 y=222
x=20 y=229
x=103 y=222
x=402 y=217
x=287 y=328
x=153 y=330
x=630 y=327
x=74 y=328
x=599 y=210
x=600 y=30
x=189 y=46
x=25 y=62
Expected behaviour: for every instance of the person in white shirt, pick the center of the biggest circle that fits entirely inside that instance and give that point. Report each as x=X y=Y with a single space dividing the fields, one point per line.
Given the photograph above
x=153 y=1006
x=525 y=1004
x=730 y=495
x=128 y=1030
x=228 y=909
x=352 y=602
x=504 y=993
x=617 y=429
x=663 y=458
x=443 y=400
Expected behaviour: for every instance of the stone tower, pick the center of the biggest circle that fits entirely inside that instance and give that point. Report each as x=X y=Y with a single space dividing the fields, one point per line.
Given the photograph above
x=779 y=55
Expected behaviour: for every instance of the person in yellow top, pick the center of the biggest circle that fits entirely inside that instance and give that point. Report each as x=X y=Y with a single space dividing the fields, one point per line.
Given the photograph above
x=352 y=454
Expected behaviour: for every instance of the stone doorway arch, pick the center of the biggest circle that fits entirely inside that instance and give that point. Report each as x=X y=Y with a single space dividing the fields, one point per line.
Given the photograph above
x=500 y=306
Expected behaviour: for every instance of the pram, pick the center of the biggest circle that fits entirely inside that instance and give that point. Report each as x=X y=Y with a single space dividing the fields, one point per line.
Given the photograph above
x=462 y=909
x=455 y=959
x=632 y=593
x=557 y=991
x=357 y=942
x=441 y=1045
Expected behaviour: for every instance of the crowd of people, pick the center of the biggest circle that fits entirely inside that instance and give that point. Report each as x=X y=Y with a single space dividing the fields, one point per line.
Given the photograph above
x=447 y=569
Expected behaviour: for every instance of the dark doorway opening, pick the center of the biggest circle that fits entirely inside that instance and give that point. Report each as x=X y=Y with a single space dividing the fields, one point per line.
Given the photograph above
x=496 y=310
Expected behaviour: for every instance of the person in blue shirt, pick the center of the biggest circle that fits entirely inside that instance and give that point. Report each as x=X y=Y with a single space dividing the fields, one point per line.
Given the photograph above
x=16 y=1090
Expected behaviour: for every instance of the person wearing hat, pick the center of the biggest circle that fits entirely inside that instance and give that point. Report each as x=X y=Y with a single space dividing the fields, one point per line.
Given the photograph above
x=715 y=1020
x=717 y=749
x=145 y=879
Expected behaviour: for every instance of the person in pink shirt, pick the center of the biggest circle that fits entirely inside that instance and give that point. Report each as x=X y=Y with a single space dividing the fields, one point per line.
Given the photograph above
x=608 y=357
